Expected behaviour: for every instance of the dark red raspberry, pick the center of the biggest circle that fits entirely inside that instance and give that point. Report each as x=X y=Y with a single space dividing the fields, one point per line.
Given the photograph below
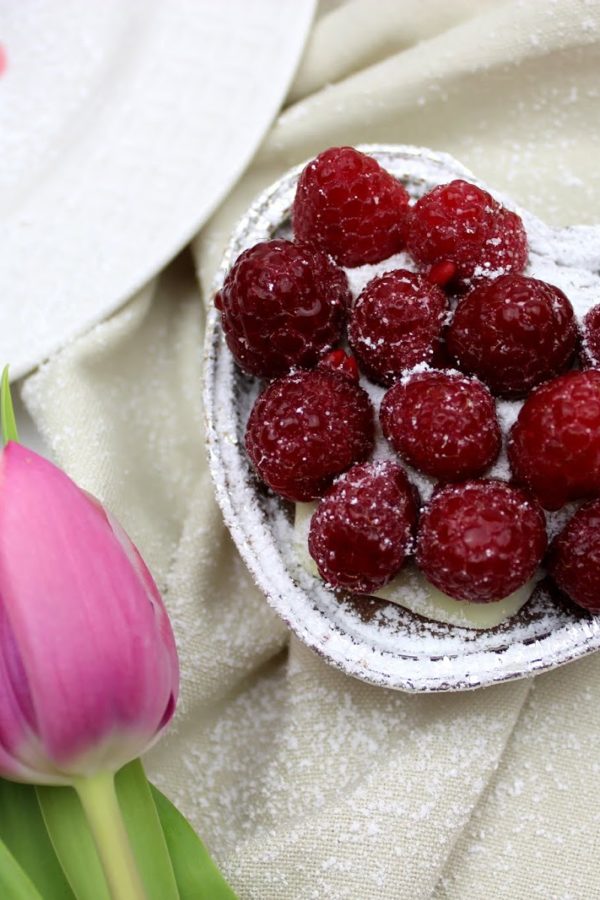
x=362 y=529
x=443 y=424
x=554 y=446
x=574 y=557
x=282 y=305
x=306 y=428
x=351 y=207
x=513 y=333
x=462 y=224
x=396 y=323
x=481 y=540
x=590 y=345
x=506 y=251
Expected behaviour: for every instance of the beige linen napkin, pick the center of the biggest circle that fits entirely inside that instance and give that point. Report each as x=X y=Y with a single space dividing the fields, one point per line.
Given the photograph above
x=304 y=783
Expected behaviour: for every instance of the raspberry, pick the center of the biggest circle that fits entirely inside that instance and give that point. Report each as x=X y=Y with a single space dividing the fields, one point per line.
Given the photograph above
x=506 y=251
x=513 y=333
x=554 y=446
x=282 y=305
x=362 y=530
x=396 y=323
x=574 y=557
x=306 y=428
x=590 y=345
x=481 y=540
x=351 y=207
x=461 y=224
x=442 y=424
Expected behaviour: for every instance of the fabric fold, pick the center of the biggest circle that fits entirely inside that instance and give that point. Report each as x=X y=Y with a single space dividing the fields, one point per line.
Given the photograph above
x=306 y=784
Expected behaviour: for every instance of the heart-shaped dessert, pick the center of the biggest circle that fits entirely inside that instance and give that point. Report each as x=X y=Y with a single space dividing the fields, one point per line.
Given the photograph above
x=405 y=523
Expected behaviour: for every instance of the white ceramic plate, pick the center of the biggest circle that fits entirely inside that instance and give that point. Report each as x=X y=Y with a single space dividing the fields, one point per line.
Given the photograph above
x=122 y=125
x=371 y=639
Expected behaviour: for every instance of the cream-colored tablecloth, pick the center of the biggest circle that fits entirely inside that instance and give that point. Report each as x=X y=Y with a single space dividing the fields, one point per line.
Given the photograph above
x=306 y=784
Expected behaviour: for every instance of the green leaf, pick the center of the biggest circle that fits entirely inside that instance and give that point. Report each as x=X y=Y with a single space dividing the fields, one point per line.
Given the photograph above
x=73 y=842
x=198 y=878
x=24 y=833
x=174 y=864
x=74 y=846
x=14 y=883
x=145 y=832
x=7 y=413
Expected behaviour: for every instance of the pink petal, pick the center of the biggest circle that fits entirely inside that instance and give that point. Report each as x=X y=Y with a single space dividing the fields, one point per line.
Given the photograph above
x=93 y=636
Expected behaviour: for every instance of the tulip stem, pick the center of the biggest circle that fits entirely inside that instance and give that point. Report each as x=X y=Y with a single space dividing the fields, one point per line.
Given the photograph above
x=101 y=806
x=7 y=413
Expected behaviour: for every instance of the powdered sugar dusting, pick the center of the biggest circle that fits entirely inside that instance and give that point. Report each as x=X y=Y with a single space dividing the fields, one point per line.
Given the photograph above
x=381 y=643
x=359 y=277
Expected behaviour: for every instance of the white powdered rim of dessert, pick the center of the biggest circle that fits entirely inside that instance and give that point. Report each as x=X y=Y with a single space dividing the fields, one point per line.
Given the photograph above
x=381 y=643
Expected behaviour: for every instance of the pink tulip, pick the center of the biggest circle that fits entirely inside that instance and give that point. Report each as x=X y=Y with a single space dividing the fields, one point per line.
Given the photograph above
x=88 y=664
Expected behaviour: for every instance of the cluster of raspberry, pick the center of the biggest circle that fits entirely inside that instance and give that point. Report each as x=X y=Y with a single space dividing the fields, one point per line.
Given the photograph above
x=446 y=340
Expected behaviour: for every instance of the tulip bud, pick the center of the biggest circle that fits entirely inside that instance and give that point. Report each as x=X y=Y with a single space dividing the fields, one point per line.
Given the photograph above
x=88 y=664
